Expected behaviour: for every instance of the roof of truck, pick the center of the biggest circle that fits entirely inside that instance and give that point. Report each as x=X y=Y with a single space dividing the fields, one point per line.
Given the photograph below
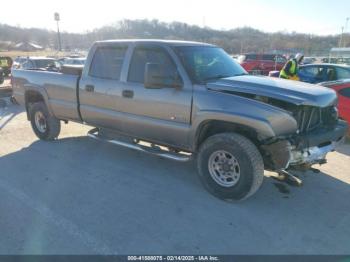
x=156 y=41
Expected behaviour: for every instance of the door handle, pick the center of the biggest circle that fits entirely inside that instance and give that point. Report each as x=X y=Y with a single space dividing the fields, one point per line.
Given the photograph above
x=128 y=93
x=89 y=88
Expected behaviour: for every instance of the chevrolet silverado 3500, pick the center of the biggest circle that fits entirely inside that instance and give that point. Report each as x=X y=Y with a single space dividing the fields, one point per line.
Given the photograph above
x=184 y=100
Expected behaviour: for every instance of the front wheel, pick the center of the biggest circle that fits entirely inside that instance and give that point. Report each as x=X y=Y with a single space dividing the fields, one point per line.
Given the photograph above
x=230 y=166
x=45 y=126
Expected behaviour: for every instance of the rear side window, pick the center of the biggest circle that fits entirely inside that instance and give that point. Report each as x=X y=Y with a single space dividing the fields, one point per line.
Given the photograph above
x=268 y=57
x=107 y=62
x=144 y=55
x=345 y=92
x=251 y=57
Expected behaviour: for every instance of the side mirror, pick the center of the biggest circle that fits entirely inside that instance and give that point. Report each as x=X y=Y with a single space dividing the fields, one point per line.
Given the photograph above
x=157 y=76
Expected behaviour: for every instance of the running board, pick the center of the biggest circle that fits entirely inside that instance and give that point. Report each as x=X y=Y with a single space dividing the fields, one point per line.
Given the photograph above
x=94 y=133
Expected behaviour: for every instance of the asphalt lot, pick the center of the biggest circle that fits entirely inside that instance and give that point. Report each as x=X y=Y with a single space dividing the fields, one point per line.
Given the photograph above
x=80 y=196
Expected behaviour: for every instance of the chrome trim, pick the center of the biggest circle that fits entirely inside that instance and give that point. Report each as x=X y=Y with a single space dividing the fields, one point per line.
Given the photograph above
x=178 y=157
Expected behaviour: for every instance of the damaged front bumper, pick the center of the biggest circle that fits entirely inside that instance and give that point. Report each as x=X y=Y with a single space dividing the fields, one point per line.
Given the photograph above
x=304 y=150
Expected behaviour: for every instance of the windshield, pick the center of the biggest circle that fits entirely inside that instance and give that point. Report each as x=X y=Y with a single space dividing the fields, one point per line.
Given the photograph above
x=206 y=63
x=43 y=63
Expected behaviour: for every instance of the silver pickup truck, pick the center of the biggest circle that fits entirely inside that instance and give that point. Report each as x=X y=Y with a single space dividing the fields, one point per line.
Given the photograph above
x=184 y=100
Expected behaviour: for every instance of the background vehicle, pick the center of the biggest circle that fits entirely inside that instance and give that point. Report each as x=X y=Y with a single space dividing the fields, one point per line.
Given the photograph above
x=342 y=87
x=74 y=61
x=308 y=60
x=18 y=61
x=39 y=63
x=185 y=99
x=316 y=73
x=6 y=64
x=261 y=64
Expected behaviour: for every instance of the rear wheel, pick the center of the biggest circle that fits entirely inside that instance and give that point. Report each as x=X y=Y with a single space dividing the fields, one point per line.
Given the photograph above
x=45 y=126
x=230 y=166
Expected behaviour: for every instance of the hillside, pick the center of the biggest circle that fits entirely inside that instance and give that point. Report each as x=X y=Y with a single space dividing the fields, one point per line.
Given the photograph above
x=235 y=41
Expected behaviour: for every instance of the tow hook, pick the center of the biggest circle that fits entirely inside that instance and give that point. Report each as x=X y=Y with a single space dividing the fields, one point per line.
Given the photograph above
x=289 y=178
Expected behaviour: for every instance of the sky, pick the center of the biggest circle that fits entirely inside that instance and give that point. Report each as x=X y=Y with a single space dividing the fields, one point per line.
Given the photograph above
x=319 y=17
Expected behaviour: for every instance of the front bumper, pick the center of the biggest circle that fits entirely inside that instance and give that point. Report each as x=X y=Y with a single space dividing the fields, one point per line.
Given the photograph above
x=305 y=150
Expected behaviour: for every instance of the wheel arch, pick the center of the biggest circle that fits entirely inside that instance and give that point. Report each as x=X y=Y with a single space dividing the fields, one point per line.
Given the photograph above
x=32 y=96
x=212 y=127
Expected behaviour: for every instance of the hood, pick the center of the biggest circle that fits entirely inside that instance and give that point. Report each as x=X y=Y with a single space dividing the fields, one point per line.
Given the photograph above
x=290 y=91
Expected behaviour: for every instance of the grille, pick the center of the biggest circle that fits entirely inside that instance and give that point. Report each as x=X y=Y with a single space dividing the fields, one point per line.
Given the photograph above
x=310 y=118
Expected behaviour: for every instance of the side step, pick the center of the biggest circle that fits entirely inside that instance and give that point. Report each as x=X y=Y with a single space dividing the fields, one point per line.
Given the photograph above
x=134 y=144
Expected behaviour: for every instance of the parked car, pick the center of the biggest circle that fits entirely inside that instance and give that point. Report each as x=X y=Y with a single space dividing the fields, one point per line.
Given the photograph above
x=342 y=87
x=6 y=64
x=74 y=61
x=316 y=73
x=17 y=62
x=308 y=60
x=181 y=100
x=261 y=64
x=39 y=63
x=336 y=60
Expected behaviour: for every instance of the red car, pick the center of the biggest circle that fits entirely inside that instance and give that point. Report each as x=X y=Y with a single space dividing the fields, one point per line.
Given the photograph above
x=342 y=87
x=261 y=64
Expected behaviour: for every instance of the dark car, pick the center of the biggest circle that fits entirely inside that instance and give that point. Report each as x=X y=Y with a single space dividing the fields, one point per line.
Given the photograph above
x=261 y=64
x=317 y=73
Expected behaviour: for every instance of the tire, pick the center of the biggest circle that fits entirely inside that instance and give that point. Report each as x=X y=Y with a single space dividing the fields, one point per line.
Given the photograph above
x=246 y=168
x=40 y=117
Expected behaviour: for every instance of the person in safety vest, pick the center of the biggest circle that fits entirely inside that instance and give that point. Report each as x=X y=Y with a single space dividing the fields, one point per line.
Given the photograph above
x=290 y=69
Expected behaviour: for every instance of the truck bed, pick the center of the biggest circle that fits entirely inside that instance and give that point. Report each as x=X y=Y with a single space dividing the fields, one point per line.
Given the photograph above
x=60 y=90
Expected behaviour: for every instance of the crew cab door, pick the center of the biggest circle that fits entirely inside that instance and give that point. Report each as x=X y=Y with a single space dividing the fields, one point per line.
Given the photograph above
x=100 y=86
x=162 y=114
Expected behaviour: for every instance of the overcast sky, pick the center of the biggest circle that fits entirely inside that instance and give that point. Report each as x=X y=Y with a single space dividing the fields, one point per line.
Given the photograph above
x=307 y=16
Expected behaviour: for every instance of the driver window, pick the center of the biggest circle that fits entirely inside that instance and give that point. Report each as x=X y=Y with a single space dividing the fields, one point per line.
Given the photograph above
x=144 y=55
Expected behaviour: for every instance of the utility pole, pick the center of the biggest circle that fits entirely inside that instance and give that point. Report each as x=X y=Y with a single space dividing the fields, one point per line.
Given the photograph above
x=345 y=30
x=341 y=36
x=57 y=19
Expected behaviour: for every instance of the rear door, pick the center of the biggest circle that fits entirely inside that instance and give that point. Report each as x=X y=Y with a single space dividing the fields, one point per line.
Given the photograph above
x=100 y=87
x=161 y=114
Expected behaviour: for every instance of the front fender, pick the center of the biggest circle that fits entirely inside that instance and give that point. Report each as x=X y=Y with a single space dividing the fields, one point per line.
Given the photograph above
x=266 y=120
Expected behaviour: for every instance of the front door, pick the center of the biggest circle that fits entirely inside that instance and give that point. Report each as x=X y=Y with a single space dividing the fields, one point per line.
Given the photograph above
x=161 y=114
